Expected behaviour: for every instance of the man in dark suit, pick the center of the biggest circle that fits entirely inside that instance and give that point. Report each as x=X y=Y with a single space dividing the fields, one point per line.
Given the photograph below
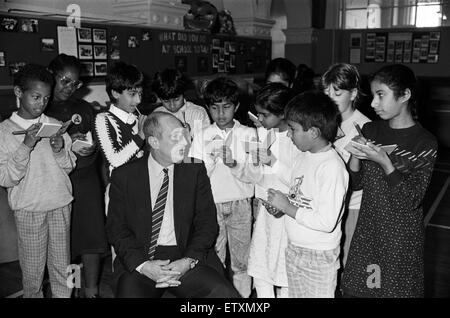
x=162 y=220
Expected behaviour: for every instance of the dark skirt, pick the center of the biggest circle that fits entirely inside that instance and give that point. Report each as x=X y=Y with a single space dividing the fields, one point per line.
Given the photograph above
x=88 y=234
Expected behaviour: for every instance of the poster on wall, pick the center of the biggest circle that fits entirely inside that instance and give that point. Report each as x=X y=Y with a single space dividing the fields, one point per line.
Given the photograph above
x=426 y=47
x=380 y=48
x=224 y=56
x=355 y=56
x=399 y=47
x=2 y=59
x=370 y=47
x=355 y=39
x=402 y=47
x=67 y=40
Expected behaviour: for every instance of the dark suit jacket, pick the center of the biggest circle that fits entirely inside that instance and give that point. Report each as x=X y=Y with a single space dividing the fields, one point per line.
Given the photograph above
x=129 y=220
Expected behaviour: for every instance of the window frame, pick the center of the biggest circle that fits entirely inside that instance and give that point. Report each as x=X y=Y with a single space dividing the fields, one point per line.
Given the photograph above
x=394 y=6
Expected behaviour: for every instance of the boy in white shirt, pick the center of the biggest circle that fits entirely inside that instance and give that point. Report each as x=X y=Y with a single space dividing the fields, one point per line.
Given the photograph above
x=319 y=182
x=221 y=147
x=170 y=85
x=119 y=130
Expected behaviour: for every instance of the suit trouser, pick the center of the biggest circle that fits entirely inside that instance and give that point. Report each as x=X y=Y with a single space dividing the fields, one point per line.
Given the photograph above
x=44 y=237
x=201 y=282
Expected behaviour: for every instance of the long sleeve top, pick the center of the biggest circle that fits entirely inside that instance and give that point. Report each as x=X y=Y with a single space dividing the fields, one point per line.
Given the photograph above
x=117 y=134
x=64 y=111
x=319 y=183
x=390 y=230
x=37 y=179
x=350 y=131
x=225 y=182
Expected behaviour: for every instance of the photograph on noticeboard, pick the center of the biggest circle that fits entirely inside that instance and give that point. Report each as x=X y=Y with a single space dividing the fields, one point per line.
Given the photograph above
x=99 y=35
x=133 y=41
x=84 y=35
x=2 y=59
x=29 y=25
x=47 y=45
x=14 y=67
x=215 y=63
x=100 y=52
x=85 y=52
x=181 y=63
x=202 y=64
x=87 y=69
x=100 y=68
x=8 y=24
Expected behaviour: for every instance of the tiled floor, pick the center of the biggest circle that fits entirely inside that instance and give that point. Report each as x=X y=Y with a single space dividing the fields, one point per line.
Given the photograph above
x=437 y=247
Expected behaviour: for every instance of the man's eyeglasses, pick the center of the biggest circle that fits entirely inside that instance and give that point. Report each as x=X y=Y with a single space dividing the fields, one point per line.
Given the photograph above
x=66 y=81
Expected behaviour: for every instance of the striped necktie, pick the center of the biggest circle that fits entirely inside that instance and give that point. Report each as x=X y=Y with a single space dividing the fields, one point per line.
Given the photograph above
x=158 y=214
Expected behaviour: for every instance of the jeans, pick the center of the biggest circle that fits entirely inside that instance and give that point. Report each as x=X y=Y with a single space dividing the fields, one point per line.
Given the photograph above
x=235 y=222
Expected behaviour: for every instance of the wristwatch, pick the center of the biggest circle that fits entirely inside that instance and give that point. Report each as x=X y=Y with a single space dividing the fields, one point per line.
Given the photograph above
x=192 y=262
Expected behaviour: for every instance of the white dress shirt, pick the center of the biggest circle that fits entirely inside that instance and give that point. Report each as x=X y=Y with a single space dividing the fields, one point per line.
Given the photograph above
x=166 y=235
x=156 y=175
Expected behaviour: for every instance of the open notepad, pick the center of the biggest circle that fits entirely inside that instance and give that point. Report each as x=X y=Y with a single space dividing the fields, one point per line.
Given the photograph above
x=388 y=148
x=253 y=145
x=79 y=144
x=48 y=129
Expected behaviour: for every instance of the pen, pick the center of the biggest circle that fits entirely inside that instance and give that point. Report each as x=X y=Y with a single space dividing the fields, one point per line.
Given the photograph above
x=257 y=139
x=23 y=132
x=139 y=113
x=20 y=132
x=358 y=129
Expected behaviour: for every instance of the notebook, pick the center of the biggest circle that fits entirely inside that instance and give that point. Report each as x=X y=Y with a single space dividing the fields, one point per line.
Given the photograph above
x=48 y=129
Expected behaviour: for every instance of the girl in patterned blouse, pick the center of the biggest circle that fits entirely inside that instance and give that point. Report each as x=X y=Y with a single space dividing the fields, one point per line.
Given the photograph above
x=386 y=252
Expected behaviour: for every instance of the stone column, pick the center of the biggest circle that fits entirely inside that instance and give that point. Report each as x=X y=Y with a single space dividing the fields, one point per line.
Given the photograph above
x=300 y=36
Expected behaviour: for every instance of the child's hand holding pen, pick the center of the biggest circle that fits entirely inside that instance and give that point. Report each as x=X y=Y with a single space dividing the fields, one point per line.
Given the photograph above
x=254 y=119
x=227 y=156
x=141 y=121
x=31 y=139
x=280 y=201
x=57 y=143
x=262 y=156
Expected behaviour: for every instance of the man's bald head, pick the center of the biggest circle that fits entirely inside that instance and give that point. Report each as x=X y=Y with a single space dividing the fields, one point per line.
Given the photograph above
x=156 y=122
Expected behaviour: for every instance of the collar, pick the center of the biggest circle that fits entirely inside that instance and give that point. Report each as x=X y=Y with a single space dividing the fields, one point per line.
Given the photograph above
x=125 y=117
x=26 y=123
x=155 y=168
x=237 y=124
x=181 y=110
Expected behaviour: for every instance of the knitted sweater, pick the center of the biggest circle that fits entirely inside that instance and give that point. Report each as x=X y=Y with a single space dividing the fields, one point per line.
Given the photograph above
x=37 y=179
x=118 y=142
